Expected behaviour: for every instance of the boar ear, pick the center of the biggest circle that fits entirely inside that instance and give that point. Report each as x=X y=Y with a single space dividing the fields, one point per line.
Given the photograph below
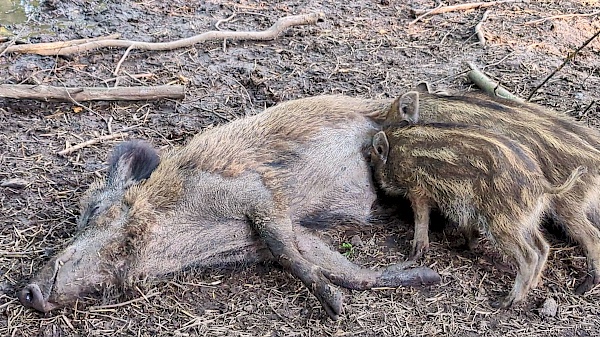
x=423 y=87
x=381 y=146
x=131 y=162
x=408 y=107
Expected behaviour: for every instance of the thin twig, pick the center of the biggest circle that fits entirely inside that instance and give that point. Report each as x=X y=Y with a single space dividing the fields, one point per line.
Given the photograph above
x=585 y=111
x=79 y=104
x=272 y=33
x=533 y=22
x=116 y=72
x=479 y=28
x=132 y=76
x=488 y=85
x=91 y=142
x=424 y=15
x=460 y=7
x=567 y=60
x=224 y=20
x=12 y=41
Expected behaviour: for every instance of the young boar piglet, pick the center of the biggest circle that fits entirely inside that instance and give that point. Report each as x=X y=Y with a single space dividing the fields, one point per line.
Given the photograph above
x=477 y=178
x=560 y=144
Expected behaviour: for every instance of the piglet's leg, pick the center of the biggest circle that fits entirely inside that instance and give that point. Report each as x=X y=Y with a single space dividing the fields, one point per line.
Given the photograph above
x=421 y=206
x=278 y=235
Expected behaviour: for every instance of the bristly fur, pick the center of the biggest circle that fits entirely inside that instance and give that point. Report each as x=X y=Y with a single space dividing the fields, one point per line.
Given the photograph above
x=478 y=179
x=235 y=193
x=559 y=145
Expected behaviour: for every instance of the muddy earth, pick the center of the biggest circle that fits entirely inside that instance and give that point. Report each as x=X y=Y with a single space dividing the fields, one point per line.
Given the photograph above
x=365 y=48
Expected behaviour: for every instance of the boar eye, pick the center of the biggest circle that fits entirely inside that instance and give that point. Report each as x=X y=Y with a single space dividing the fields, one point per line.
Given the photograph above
x=94 y=210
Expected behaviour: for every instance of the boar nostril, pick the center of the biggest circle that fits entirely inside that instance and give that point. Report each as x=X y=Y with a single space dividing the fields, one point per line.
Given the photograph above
x=31 y=296
x=28 y=296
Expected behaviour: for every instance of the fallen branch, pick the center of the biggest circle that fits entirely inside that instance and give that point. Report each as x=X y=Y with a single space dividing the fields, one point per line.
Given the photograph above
x=91 y=142
x=460 y=7
x=569 y=58
x=61 y=48
x=479 y=29
x=47 y=47
x=488 y=85
x=559 y=17
x=49 y=93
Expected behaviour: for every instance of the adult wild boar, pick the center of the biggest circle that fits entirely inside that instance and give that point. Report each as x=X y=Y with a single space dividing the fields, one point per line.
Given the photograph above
x=238 y=192
x=558 y=143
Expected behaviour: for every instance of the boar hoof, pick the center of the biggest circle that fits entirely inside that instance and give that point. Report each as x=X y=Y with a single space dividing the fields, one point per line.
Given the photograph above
x=419 y=248
x=397 y=275
x=331 y=299
x=589 y=282
x=503 y=304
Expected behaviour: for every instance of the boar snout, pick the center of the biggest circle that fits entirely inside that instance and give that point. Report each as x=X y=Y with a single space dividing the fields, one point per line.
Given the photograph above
x=31 y=296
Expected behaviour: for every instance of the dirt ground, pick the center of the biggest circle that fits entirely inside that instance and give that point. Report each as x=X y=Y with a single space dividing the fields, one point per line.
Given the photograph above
x=363 y=48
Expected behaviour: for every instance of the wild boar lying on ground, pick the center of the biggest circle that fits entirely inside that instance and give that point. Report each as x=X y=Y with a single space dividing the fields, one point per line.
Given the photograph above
x=559 y=145
x=238 y=192
x=479 y=179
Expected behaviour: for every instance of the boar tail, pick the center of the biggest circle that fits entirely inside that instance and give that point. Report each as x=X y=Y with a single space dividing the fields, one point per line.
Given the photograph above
x=569 y=183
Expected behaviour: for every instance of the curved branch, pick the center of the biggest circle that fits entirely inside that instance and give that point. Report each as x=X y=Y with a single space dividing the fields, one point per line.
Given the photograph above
x=273 y=32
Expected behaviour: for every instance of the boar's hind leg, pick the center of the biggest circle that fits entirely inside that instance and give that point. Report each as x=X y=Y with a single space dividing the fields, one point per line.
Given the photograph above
x=543 y=249
x=525 y=257
x=279 y=237
x=349 y=275
x=577 y=225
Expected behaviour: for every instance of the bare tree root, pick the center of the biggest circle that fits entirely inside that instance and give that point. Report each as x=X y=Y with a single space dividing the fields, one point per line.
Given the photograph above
x=567 y=60
x=48 y=93
x=445 y=9
x=72 y=47
x=488 y=85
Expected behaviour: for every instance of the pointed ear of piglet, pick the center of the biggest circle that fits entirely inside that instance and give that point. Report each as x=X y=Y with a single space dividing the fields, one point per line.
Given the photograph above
x=381 y=146
x=131 y=162
x=408 y=106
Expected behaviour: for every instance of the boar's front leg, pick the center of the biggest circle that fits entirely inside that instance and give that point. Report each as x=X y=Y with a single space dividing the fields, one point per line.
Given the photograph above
x=349 y=275
x=278 y=235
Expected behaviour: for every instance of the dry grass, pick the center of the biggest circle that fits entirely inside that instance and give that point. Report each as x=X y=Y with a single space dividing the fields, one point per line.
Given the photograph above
x=364 y=48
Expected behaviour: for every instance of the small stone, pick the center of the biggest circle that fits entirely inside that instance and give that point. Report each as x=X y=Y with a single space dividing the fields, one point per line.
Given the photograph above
x=549 y=308
x=356 y=241
x=14 y=183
